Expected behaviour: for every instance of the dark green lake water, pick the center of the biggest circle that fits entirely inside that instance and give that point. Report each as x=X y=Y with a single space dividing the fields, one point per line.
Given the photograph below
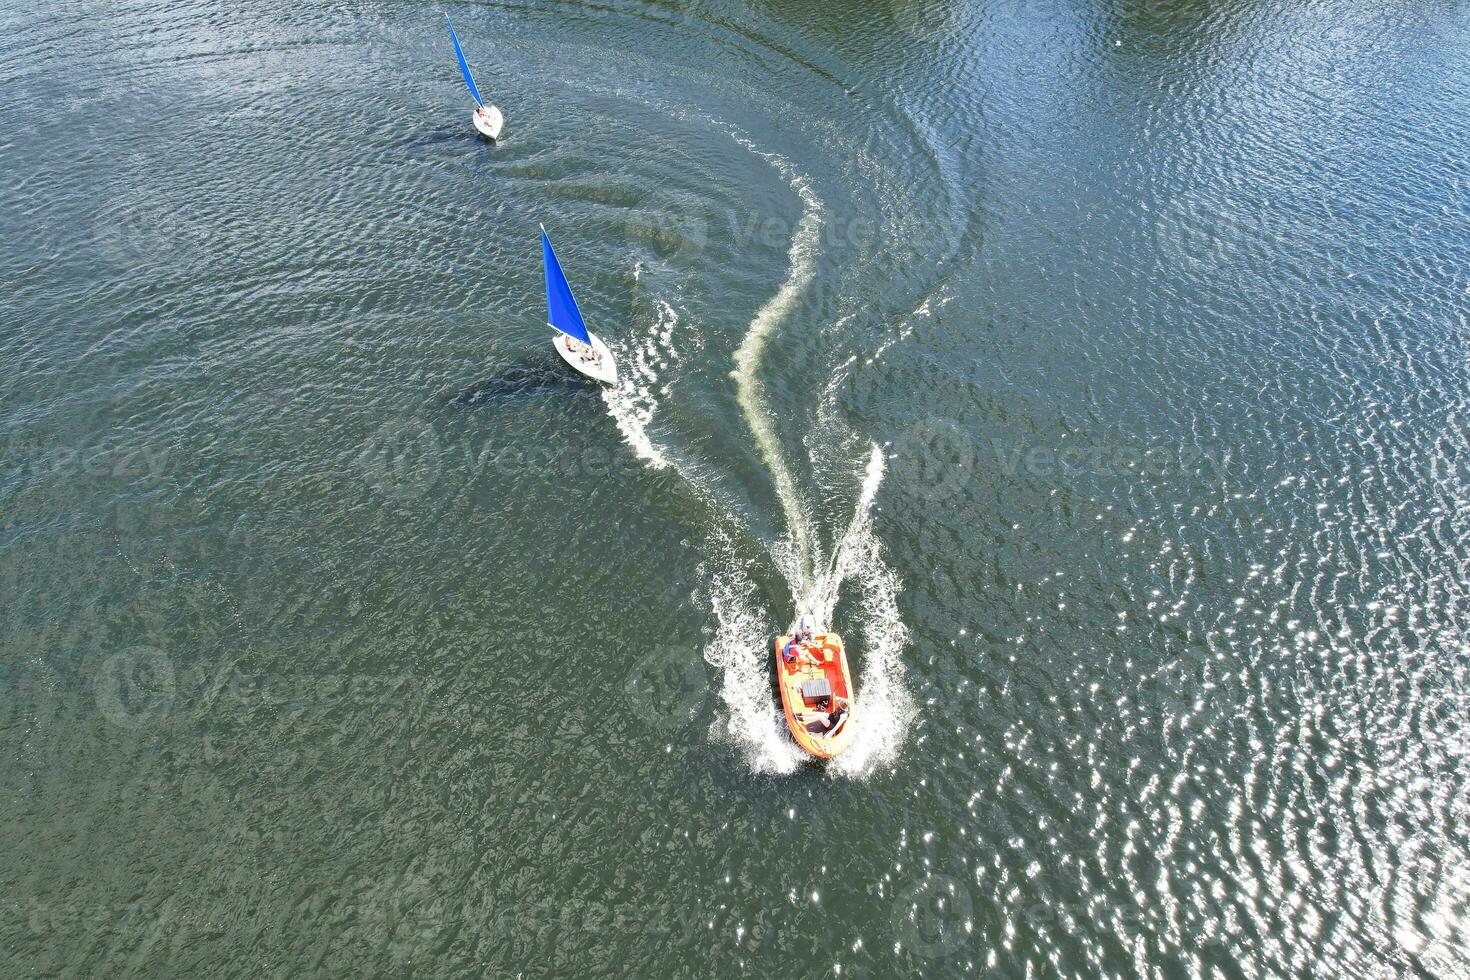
x=1098 y=369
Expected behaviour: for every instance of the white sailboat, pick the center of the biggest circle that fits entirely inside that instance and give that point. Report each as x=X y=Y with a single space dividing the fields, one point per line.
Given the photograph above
x=487 y=118
x=583 y=350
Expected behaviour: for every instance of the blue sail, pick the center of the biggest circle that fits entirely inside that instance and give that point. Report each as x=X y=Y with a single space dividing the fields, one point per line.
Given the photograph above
x=561 y=308
x=463 y=67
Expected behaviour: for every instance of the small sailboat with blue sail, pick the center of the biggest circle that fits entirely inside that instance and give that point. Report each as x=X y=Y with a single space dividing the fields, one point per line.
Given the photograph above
x=579 y=347
x=487 y=118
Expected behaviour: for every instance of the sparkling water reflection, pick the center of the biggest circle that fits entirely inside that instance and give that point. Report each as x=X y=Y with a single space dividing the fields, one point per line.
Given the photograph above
x=1099 y=368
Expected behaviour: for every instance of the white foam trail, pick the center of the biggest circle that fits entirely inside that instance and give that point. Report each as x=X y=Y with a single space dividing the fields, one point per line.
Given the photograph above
x=740 y=651
x=632 y=402
x=882 y=707
x=741 y=648
x=906 y=329
x=750 y=393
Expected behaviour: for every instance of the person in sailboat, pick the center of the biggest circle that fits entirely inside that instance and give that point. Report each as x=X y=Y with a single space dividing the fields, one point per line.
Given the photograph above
x=587 y=352
x=482 y=114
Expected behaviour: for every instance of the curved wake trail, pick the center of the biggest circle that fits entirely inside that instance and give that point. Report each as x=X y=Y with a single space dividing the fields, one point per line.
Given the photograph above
x=886 y=707
x=750 y=393
x=881 y=701
x=740 y=649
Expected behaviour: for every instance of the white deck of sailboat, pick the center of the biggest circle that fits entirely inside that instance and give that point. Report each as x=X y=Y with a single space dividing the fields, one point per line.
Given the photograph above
x=489 y=128
x=603 y=369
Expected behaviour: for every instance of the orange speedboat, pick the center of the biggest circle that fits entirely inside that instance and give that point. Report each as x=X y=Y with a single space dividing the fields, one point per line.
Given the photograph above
x=816 y=691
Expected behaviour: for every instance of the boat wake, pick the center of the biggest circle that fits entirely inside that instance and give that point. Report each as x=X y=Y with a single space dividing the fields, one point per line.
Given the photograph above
x=740 y=649
x=750 y=393
x=632 y=401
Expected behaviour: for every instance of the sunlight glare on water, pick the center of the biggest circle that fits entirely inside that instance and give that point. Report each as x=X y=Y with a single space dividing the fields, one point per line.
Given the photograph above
x=1097 y=369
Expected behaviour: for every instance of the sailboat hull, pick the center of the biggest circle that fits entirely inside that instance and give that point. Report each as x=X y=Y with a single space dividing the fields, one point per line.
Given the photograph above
x=603 y=369
x=489 y=128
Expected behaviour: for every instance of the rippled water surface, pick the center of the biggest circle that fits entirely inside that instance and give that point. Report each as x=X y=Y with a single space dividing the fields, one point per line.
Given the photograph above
x=1098 y=369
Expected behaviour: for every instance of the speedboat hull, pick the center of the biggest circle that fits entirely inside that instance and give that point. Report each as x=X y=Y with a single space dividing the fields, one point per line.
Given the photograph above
x=804 y=686
x=603 y=369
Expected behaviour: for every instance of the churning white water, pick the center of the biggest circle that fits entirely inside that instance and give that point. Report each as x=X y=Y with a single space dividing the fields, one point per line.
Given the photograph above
x=741 y=648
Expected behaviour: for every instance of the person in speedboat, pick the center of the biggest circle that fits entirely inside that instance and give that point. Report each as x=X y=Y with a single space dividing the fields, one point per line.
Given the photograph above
x=827 y=722
x=801 y=649
x=796 y=652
